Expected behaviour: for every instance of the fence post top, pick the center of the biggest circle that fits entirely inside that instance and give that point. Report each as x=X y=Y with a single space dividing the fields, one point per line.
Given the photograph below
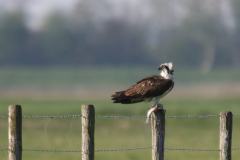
x=226 y=113
x=15 y=106
x=87 y=105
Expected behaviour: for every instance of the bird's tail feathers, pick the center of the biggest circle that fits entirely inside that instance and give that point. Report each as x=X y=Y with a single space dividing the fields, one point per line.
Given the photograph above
x=120 y=97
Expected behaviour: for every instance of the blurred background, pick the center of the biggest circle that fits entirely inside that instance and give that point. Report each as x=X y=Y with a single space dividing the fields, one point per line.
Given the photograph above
x=56 y=55
x=79 y=47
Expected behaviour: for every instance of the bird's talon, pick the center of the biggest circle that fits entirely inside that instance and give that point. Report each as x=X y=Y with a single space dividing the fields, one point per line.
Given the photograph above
x=159 y=107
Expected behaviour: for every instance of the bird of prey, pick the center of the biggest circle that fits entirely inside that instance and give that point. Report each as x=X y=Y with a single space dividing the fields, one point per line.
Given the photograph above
x=151 y=88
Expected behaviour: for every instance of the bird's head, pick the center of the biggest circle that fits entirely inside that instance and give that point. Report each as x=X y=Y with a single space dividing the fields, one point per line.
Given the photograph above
x=166 y=69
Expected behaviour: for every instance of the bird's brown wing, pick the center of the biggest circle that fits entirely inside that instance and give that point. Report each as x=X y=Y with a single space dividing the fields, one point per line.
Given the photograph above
x=148 y=87
x=151 y=86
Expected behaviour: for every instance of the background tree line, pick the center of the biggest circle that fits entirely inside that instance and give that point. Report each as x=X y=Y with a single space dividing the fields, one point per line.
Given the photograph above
x=198 y=39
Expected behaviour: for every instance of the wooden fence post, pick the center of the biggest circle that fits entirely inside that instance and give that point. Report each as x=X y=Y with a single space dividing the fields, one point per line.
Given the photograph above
x=225 y=135
x=158 y=134
x=88 y=125
x=15 y=132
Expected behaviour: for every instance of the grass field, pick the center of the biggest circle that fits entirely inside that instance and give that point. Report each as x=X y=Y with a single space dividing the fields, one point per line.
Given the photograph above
x=62 y=91
x=121 y=133
x=84 y=82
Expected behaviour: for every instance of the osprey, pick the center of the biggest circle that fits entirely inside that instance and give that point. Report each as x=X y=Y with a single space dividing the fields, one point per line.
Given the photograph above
x=151 y=88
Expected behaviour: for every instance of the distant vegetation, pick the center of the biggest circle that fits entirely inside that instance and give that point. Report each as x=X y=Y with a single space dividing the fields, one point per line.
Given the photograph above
x=198 y=41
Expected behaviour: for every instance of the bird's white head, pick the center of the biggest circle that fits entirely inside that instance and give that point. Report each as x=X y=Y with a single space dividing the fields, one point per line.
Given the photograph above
x=166 y=70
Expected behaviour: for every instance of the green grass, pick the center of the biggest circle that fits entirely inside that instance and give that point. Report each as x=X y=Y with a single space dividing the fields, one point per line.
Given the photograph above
x=99 y=77
x=115 y=133
x=121 y=133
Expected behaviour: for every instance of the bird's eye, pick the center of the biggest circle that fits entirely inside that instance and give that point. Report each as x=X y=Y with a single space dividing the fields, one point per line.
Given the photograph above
x=163 y=66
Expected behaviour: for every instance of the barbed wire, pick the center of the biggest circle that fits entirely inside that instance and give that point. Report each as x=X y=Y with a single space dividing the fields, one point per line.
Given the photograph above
x=3 y=116
x=139 y=117
x=188 y=149
x=4 y=149
x=176 y=149
x=48 y=150
x=121 y=149
x=200 y=116
x=121 y=117
x=61 y=116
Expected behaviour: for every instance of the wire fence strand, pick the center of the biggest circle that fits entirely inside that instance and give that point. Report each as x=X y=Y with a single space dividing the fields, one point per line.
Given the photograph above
x=3 y=116
x=199 y=116
x=188 y=149
x=118 y=117
x=121 y=117
x=48 y=150
x=61 y=116
x=139 y=117
x=4 y=149
x=121 y=149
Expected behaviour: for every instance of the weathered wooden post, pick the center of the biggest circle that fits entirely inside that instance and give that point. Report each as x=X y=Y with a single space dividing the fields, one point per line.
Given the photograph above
x=15 y=132
x=158 y=134
x=225 y=135
x=88 y=125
